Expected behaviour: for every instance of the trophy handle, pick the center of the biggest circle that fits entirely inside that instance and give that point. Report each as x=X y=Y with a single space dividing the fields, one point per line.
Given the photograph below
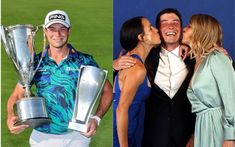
x=4 y=41
x=6 y=45
x=37 y=28
x=44 y=46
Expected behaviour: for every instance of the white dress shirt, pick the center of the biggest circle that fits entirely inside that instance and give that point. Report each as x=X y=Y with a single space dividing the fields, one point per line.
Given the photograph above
x=171 y=71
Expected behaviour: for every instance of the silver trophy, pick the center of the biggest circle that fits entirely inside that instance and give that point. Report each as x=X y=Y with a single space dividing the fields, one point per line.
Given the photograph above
x=90 y=84
x=18 y=41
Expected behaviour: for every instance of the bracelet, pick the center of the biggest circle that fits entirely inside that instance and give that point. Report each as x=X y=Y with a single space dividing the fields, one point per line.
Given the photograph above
x=97 y=118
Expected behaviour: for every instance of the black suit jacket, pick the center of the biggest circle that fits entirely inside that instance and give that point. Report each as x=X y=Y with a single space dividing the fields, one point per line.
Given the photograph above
x=233 y=65
x=167 y=119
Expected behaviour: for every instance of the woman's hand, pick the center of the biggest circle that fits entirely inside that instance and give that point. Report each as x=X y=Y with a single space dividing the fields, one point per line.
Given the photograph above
x=184 y=51
x=190 y=142
x=220 y=49
x=228 y=143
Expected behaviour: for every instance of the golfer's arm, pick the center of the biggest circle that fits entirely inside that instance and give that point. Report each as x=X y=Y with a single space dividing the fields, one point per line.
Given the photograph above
x=16 y=94
x=106 y=99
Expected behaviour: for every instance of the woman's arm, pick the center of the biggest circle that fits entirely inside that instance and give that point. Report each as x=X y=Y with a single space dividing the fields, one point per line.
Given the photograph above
x=131 y=80
x=224 y=74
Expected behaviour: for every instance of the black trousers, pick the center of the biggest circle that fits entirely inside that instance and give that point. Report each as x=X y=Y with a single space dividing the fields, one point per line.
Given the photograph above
x=172 y=143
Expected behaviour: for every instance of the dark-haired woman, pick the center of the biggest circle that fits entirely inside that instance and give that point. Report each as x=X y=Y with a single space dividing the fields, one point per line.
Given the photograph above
x=131 y=86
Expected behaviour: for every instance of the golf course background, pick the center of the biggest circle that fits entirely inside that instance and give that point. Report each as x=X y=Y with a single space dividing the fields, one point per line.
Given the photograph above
x=91 y=23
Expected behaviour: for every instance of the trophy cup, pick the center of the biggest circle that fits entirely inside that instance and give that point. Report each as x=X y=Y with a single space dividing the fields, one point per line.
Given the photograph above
x=90 y=84
x=18 y=41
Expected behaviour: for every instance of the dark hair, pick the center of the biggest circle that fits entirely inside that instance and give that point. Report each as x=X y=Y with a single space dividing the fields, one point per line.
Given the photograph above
x=130 y=31
x=168 y=10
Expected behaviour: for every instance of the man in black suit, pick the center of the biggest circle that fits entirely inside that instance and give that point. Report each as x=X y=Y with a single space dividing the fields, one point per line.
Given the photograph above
x=168 y=118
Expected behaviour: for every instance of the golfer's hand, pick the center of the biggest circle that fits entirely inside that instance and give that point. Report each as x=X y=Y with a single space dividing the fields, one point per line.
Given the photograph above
x=91 y=128
x=123 y=62
x=13 y=128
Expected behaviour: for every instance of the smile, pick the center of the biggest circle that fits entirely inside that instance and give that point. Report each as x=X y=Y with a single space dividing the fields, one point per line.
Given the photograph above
x=57 y=40
x=170 y=33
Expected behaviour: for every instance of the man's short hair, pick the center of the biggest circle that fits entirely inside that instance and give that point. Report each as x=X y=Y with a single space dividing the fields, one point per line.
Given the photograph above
x=165 y=11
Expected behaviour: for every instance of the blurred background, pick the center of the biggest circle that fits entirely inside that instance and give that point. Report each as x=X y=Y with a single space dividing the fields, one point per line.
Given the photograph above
x=223 y=11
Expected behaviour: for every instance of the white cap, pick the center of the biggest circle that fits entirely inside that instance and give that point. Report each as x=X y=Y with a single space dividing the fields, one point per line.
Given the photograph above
x=57 y=16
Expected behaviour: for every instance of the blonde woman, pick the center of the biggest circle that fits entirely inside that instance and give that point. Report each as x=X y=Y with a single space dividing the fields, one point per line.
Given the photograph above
x=211 y=90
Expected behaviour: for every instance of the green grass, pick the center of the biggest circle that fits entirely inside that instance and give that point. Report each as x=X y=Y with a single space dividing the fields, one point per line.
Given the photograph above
x=91 y=33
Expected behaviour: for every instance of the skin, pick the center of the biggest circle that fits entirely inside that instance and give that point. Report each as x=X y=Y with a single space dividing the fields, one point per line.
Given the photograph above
x=187 y=32
x=123 y=62
x=57 y=36
x=170 y=30
x=131 y=78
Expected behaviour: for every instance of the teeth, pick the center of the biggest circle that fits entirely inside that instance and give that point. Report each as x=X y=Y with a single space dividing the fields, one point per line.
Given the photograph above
x=170 y=33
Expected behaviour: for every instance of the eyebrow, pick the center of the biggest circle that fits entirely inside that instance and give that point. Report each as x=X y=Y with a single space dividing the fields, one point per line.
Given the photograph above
x=176 y=20
x=164 y=20
x=56 y=27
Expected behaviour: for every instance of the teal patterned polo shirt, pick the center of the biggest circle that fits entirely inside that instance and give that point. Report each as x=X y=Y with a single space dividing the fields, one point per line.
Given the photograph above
x=57 y=83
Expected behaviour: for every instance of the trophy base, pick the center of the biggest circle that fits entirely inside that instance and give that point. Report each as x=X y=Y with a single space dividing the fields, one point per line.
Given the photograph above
x=32 y=111
x=78 y=127
x=33 y=122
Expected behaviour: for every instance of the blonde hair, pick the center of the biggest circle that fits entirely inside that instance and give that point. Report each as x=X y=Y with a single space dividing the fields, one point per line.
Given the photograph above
x=206 y=31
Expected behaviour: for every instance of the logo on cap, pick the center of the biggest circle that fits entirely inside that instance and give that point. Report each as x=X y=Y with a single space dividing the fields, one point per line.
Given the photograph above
x=57 y=16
